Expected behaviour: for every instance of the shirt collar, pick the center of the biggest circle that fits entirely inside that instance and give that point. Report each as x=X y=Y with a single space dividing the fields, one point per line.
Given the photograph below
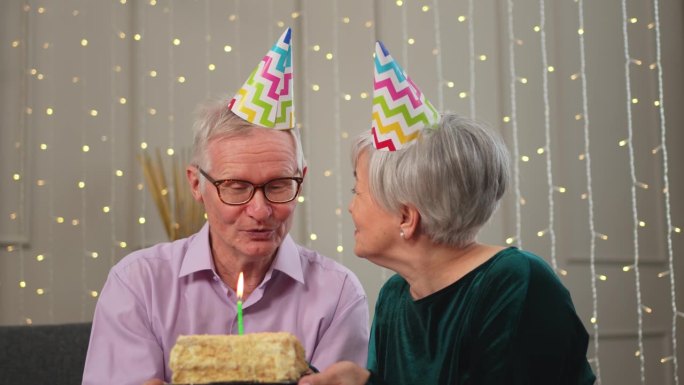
x=198 y=257
x=198 y=254
x=287 y=260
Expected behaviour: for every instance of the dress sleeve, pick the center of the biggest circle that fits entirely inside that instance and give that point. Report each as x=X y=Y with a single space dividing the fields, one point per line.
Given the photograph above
x=346 y=339
x=122 y=350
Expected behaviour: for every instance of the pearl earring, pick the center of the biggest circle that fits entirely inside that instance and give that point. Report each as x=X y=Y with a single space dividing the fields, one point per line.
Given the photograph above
x=401 y=233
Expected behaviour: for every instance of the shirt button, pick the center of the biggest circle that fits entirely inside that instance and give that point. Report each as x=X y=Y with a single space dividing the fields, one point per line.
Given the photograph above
x=215 y=279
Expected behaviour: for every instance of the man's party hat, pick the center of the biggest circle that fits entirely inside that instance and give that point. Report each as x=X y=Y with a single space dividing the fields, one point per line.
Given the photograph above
x=400 y=110
x=266 y=97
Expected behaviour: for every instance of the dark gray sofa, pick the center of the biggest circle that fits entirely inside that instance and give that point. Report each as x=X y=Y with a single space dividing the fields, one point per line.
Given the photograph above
x=43 y=354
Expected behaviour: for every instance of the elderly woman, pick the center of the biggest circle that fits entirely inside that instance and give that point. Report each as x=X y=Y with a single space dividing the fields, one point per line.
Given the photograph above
x=458 y=311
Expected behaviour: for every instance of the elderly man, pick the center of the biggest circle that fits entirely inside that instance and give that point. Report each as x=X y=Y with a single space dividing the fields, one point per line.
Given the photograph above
x=247 y=176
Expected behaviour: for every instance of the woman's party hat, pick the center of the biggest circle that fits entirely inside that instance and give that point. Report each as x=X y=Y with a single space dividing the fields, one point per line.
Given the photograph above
x=400 y=110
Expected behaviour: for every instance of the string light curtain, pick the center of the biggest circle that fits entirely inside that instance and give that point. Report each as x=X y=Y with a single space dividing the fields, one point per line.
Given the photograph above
x=595 y=197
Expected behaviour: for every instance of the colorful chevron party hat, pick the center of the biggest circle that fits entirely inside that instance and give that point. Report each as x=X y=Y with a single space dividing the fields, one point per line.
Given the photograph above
x=266 y=97
x=400 y=110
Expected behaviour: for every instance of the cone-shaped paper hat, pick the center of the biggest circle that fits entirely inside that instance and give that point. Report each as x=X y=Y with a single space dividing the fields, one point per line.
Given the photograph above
x=266 y=97
x=400 y=110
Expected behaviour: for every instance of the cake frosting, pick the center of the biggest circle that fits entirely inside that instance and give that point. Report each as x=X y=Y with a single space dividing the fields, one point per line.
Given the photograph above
x=254 y=357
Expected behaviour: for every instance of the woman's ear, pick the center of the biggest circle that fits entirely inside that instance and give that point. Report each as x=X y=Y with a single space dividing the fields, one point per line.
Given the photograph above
x=410 y=221
x=192 y=174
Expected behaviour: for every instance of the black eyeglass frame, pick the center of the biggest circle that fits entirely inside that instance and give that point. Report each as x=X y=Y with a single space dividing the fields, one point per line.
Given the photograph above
x=255 y=187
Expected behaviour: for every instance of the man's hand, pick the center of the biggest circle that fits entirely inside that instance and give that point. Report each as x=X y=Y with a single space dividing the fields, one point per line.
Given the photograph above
x=341 y=373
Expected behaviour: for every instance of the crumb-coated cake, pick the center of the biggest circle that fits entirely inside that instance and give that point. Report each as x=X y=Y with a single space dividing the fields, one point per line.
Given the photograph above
x=254 y=357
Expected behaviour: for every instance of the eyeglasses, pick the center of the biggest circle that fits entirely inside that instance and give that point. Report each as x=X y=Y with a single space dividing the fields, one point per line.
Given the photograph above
x=237 y=192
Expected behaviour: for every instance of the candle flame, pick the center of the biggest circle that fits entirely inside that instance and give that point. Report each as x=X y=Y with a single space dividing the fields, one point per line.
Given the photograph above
x=240 y=286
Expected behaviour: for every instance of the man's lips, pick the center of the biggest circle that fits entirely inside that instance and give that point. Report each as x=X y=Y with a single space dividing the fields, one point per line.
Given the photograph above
x=259 y=233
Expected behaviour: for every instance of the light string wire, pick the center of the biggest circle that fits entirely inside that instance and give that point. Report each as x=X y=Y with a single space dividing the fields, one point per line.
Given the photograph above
x=207 y=48
x=84 y=171
x=21 y=140
x=384 y=272
x=547 y=132
x=112 y=133
x=305 y=132
x=666 y=187
x=338 y=130
x=590 y=194
x=635 y=220
x=514 y=124
x=142 y=112
x=238 y=39
x=269 y=35
x=404 y=37
x=471 y=52
x=53 y=171
x=171 y=104
x=438 y=61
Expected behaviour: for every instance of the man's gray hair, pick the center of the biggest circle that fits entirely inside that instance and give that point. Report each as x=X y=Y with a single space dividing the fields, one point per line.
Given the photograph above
x=454 y=174
x=215 y=120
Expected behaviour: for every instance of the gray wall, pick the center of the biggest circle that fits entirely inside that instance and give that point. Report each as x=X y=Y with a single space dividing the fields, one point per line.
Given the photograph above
x=45 y=65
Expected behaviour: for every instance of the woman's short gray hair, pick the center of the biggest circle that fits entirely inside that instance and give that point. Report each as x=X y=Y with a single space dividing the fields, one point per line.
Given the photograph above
x=454 y=174
x=214 y=120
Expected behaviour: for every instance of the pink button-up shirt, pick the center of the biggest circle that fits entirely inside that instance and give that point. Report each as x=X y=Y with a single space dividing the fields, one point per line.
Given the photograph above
x=156 y=294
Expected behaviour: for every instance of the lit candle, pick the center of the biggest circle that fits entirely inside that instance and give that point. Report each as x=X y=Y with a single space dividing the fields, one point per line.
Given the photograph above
x=240 y=289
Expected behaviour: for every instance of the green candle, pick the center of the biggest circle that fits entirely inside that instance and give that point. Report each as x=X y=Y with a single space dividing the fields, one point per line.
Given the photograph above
x=241 y=326
x=240 y=289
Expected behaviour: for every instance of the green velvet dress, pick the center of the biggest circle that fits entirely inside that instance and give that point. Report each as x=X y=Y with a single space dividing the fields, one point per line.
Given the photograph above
x=509 y=321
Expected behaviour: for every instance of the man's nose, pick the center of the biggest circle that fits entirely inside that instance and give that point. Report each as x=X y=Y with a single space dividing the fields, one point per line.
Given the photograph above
x=259 y=207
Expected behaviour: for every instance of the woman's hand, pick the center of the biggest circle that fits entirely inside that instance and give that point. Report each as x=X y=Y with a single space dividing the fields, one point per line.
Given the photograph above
x=341 y=373
x=154 y=381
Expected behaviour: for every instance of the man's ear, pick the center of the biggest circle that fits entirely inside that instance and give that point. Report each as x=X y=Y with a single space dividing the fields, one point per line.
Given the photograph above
x=410 y=221
x=306 y=168
x=192 y=174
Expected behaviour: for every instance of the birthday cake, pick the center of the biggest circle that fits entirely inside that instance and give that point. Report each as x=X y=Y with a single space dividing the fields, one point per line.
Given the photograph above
x=250 y=358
